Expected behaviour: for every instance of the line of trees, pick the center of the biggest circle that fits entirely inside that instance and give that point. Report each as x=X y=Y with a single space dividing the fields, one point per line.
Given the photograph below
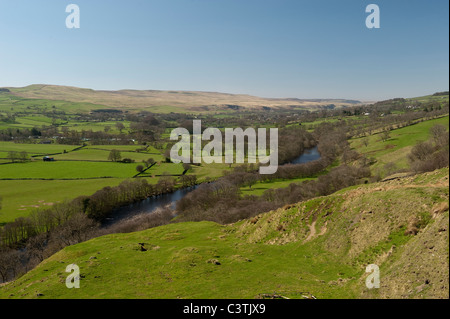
x=16 y=156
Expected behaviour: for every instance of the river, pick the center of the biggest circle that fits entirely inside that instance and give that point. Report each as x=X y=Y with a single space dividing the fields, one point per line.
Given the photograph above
x=152 y=203
x=308 y=155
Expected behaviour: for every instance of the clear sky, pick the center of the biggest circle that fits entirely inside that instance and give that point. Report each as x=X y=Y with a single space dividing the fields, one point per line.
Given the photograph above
x=268 y=48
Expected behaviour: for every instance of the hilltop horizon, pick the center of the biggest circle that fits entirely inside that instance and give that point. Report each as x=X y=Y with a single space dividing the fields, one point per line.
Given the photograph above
x=185 y=99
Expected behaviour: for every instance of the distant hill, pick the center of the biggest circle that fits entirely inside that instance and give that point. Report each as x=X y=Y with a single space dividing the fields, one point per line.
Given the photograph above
x=178 y=100
x=318 y=248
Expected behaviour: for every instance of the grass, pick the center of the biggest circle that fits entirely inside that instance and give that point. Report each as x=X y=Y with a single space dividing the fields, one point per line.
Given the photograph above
x=259 y=188
x=12 y=103
x=91 y=154
x=163 y=168
x=243 y=260
x=35 y=149
x=179 y=263
x=66 y=170
x=25 y=186
x=255 y=257
x=212 y=171
x=20 y=198
x=97 y=126
x=396 y=148
x=155 y=101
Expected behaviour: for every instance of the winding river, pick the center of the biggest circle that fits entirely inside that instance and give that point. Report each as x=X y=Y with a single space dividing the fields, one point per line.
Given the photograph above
x=152 y=203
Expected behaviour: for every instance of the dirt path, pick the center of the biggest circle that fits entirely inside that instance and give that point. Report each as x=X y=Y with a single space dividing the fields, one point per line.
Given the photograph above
x=312 y=231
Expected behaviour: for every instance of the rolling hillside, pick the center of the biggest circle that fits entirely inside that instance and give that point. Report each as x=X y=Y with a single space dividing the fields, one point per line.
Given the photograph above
x=318 y=248
x=167 y=101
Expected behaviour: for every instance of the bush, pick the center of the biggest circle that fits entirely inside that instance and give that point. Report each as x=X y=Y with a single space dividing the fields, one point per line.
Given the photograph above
x=433 y=154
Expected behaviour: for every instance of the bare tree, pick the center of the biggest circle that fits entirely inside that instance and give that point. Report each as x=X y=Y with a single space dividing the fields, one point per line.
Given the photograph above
x=390 y=168
x=13 y=156
x=250 y=179
x=385 y=135
x=365 y=141
x=439 y=134
x=76 y=230
x=9 y=263
x=120 y=126
x=114 y=156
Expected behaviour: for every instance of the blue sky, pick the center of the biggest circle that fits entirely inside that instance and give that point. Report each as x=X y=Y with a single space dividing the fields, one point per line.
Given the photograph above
x=268 y=48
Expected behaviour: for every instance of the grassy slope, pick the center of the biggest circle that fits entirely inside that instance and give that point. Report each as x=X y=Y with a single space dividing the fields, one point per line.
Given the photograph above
x=318 y=247
x=396 y=148
x=11 y=103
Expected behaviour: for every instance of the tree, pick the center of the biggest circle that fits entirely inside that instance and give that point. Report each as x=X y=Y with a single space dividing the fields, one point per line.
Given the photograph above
x=188 y=180
x=385 y=135
x=390 y=168
x=250 y=179
x=439 y=134
x=140 y=168
x=120 y=126
x=149 y=162
x=9 y=263
x=365 y=141
x=114 y=156
x=13 y=156
x=167 y=156
x=186 y=166
x=35 y=132
x=23 y=156
x=166 y=183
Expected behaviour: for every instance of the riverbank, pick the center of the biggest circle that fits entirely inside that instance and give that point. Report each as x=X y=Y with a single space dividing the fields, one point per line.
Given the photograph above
x=170 y=199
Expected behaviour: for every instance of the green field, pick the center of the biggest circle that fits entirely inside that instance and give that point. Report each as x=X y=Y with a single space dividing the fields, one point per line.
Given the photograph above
x=20 y=198
x=259 y=188
x=97 y=126
x=100 y=154
x=35 y=149
x=33 y=184
x=397 y=147
x=165 y=168
x=66 y=170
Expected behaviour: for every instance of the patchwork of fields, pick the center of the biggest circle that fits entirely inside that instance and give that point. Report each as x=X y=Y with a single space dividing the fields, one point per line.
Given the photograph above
x=75 y=171
x=82 y=171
